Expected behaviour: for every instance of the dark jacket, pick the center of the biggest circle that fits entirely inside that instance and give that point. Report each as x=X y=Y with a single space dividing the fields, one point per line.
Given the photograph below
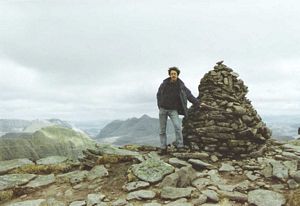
x=184 y=93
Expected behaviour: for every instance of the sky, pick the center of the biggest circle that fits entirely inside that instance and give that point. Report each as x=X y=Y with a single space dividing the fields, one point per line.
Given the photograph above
x=98 y=60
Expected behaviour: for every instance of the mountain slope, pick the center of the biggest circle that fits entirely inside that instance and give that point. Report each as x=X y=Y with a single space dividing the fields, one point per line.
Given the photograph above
x=53 y=140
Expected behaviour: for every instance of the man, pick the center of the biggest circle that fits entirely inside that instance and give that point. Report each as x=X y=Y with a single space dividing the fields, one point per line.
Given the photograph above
x=172 y=99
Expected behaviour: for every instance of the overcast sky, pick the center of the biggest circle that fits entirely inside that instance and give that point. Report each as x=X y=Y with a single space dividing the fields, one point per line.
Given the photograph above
x=93 y=60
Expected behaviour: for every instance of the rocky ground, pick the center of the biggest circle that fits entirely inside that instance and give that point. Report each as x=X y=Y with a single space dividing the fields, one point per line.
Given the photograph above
x=138 y=175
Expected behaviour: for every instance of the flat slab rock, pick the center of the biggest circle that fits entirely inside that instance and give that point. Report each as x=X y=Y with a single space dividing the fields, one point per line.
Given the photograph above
x=8 y=165
x=141 y=195
x=72 y=177
x=51 y=160
x=40 y=181
x=37 y=202
x=152 y=170
x=226 y=168
x=266 y=198
x=173 y=193
x=200 y=164
x=98 y=171
x=131 y=186
x=13 y=180
x=178 y=163
x=102 y=149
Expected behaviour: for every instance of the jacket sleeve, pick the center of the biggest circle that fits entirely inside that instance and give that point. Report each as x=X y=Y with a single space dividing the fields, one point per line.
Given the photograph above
x=158 y=96
x=190 y=97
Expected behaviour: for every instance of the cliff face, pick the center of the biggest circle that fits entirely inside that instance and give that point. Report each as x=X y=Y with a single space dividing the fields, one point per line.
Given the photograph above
x=53 y=140
x=228 y=124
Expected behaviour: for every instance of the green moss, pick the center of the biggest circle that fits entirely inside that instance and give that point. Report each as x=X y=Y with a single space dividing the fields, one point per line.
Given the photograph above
x=44 y=169
x=6 y=195
x=294 y=198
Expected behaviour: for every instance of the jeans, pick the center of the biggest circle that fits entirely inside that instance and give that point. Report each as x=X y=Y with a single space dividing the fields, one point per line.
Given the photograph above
x=163 y=117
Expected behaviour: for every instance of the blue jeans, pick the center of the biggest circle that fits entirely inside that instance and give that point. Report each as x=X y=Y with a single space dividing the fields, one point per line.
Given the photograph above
x=163 y=117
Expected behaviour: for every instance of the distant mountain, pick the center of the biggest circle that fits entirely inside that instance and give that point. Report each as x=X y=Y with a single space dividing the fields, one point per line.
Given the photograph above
x=91 y=127
x=12 y=125
x=47 y=141
x=284 y=127
x=26 y=126
x=143 y=130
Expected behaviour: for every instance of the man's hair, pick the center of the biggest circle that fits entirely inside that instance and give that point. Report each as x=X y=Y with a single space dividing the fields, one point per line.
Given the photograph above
x=174 y=69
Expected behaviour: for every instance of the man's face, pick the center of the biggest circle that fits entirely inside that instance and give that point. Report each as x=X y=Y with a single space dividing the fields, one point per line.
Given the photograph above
x=173 y=75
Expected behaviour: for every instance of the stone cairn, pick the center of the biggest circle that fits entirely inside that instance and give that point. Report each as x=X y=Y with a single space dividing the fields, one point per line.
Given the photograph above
x=228 y=125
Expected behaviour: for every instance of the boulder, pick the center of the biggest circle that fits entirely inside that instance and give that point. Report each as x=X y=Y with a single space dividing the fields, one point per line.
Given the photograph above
x=266 y=198
x=152 y=170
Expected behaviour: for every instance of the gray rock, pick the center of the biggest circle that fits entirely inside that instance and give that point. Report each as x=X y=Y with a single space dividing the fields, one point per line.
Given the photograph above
x=186 y=176
x=279 y=170
x=266 y=198
x=267 y=171
x=51 y=160
x=227 y=188
x=6 y=166
x=13 y=180
x=37 y=202
x=291 y=148
x=292 y=184
x=215 y=177
x=226 y=168
x=291 y=156
x=102 y=149
x=69 y=194
x=40 y=181
x=141 y=195
x=194 y=155
x=74 y=177
x=235 y=196
x=243 y=186
x=291 y=165
x=94 y=199
x=170 y=180
x=200 y=164
x=201 y=183
x=214 y=158
x=296 y=176
x=179 y=202
x=173 y=193
x=131 y=186
x=53 y=202
x=178 y=163
x=212 y=195
x=200 y=200
x=78 y=203
x=97 y=172
x=120 y=202
x=152 y=204
x=152 y=170
x=250 y=176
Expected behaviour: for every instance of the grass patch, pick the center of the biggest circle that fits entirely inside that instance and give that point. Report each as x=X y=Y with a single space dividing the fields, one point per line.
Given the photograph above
x=44 y=169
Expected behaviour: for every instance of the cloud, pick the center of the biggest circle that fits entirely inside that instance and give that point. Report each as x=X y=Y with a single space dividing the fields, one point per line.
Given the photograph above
x=98 y=59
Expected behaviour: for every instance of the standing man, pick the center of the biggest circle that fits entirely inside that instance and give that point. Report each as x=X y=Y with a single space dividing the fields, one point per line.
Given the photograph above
x=172 y=99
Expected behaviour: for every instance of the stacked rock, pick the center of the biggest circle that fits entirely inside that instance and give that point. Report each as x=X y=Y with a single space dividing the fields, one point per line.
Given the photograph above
x=227 y=124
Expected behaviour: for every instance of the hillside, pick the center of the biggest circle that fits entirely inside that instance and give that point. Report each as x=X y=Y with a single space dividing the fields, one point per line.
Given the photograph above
x=52 y=140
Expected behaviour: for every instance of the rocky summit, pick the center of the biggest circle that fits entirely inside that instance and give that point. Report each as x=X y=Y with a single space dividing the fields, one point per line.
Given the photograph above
x=138 y=176
x=227 y=124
